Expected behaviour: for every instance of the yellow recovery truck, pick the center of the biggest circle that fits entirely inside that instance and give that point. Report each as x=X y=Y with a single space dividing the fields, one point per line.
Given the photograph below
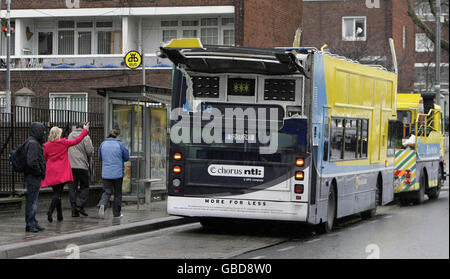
x=419 y=164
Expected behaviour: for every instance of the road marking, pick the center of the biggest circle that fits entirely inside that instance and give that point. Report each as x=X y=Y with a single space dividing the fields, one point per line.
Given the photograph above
x=313 y=240
x=387 y=216
x=355 y=228
x=373 y=221
x=128 y=257
x=258 y=257
x=286 y=248
x=332 y=234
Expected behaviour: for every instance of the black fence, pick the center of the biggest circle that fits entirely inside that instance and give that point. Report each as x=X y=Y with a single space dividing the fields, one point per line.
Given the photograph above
x=14 y=130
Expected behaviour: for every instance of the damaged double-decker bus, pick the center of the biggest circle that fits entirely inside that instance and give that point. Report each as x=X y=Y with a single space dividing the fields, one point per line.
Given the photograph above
x=291 y=134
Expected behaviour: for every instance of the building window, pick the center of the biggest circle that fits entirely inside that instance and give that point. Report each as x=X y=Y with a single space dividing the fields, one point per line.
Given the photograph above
x=84 y=37
x=108 y=41
x=404 y=37
x=12 y=48
x=79 y=37
x=66 y=42
x=423 y=43
x=104 y=42
x=169 y=31
x=2 y=100
x=189 y=23
x=77 y=103
x=169 y=23
x=212 y=31
x=66 y=37
x=209 y=35
x=228 y=37
x=84 y=42
x=169 y=35
x=45 y=44
x=189 y=33
x=354 y=28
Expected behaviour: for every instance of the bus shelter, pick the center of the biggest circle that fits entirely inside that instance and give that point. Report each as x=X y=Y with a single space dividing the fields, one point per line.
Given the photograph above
x=140 y=114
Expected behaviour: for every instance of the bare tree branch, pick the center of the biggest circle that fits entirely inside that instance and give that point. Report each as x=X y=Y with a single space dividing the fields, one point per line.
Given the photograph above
x=428 y=32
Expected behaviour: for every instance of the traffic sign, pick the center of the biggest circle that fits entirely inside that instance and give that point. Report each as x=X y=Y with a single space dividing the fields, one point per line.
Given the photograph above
x=133 y=59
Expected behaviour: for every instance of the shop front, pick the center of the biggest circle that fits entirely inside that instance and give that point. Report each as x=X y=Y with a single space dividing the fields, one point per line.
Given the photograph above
x=140 y=114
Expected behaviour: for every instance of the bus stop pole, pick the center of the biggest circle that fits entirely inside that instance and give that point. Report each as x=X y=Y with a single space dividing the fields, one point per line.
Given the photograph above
x=8 y=58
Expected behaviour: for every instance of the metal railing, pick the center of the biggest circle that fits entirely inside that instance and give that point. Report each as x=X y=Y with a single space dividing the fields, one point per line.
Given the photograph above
x=14 y=130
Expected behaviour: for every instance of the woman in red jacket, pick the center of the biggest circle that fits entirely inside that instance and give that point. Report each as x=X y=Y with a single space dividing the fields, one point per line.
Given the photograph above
x=58 y=171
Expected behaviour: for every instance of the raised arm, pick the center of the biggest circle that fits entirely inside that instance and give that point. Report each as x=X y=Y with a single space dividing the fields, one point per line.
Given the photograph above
x=78 y=139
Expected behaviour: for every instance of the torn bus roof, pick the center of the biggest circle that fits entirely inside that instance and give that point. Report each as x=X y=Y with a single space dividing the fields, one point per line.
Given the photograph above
x=223 y=59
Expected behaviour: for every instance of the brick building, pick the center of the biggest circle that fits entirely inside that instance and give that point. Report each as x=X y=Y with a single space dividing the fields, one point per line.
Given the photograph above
x=60 y=50
x=358 y=30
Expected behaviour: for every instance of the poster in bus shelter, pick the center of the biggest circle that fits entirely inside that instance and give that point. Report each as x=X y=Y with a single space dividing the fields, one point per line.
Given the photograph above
x=121 y=122
x=158 y=146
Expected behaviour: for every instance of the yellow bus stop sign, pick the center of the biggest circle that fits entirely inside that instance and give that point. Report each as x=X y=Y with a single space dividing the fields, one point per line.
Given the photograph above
x=133 y=59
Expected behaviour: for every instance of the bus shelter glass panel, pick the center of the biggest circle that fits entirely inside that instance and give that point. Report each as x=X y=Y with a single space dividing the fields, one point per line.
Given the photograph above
x=158 y=145
x=127 y=119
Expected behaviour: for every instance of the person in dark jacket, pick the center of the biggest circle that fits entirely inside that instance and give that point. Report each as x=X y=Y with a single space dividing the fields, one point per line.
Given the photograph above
x=113 y=154
x=33 y=174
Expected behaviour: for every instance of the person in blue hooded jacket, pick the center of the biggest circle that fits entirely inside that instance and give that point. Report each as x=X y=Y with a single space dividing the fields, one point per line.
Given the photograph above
x=112 y=153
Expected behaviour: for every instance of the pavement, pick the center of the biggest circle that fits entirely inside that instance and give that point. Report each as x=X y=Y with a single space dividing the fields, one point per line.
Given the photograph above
x=16 y=243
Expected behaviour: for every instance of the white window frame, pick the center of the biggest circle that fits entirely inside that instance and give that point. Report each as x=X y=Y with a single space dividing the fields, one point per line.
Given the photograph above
x=169 y=28
x=54 y=40
x=2 y=99
x=198 y=28
x=191 y=27
x=85 y=29
x=116 y=27
x=54 y=115
x=224 y=28
x=103 y=29
x=353 y=37
x=426 y=45
x=217 y=27
x=74 y=29
x=67 y=95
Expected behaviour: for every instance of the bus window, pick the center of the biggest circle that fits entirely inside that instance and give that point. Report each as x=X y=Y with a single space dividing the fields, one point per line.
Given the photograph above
x=395 y=134
x=364 y=137
x=326 y=139
x=404 y=116
x=350 y=138
x=337 y=139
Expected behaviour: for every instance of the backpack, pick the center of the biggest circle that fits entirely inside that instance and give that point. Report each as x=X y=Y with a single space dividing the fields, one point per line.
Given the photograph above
x=18 y=158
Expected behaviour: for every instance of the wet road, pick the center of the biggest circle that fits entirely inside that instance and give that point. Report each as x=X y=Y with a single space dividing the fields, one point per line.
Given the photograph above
x=395 y=232
x=408 y=232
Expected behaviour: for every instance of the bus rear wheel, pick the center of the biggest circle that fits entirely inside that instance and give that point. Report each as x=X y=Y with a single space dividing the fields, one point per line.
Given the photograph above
x=327 y=226
x=433 y=193
x=420 y=195
x=371 y=212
